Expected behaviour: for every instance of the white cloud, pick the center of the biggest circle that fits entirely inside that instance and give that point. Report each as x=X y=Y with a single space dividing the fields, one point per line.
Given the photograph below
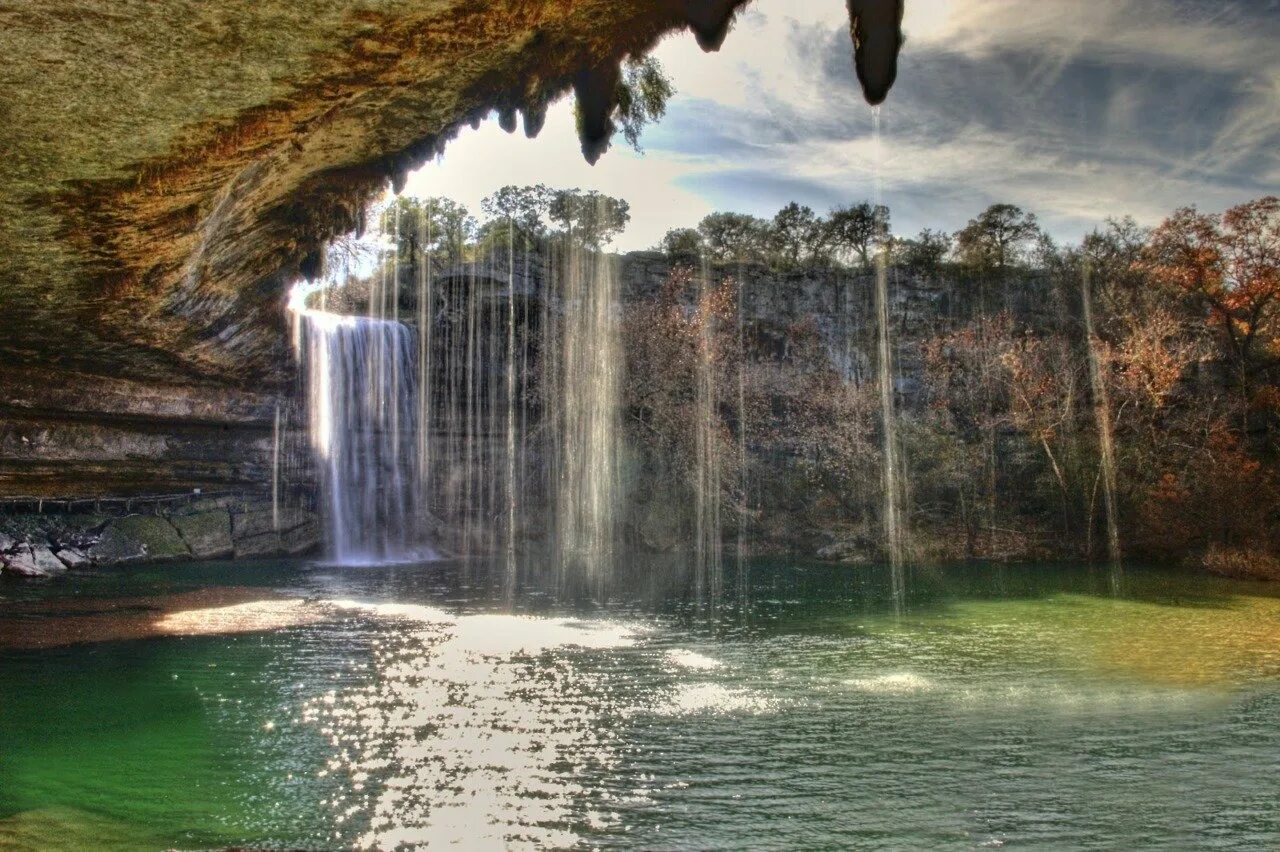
x=1074 y=110
x=1210 y=36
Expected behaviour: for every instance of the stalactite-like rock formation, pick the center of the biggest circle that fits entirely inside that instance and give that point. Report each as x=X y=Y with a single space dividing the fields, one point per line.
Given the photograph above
x=170 y=168
x=876 y=26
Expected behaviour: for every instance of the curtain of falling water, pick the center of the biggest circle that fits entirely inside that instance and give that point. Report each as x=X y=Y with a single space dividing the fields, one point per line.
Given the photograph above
x=426 y=353
x=586 y=393
x=275 y=470
x=708 y=541
x=1106 y=441
x=892 y=503
x=511 y=410
x=362 y=391
x=743 y=481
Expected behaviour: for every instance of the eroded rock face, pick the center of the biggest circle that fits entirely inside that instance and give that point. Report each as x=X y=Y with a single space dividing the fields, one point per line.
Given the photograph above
x=173 y=165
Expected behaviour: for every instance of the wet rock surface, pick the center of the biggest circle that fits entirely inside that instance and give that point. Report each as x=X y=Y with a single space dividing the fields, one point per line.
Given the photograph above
x=44 y=545
x=33 y=561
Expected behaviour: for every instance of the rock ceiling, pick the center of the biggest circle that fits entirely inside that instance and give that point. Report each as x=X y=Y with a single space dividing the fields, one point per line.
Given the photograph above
x=170 y=165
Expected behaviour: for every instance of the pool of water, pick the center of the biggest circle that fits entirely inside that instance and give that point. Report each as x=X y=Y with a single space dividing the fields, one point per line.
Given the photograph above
x=302 y=706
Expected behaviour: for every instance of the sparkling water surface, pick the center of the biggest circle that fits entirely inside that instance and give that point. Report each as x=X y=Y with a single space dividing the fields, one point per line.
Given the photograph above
x=302 y=706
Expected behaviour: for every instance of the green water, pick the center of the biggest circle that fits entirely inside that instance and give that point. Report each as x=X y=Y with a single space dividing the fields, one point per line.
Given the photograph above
x=379 y=707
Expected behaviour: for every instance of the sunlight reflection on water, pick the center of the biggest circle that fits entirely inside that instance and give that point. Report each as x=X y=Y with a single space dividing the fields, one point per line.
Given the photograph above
x=476 y=730
x=242 y=618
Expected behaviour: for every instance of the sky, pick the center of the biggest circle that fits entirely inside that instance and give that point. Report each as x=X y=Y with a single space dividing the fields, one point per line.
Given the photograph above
x=1073 y=110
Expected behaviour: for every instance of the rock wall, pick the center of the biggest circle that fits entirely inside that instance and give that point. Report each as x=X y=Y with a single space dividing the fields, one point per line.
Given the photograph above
x=70 y=434
x=48 y=543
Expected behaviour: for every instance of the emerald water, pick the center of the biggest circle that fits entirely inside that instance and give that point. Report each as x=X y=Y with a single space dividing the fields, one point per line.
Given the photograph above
x=291 y=705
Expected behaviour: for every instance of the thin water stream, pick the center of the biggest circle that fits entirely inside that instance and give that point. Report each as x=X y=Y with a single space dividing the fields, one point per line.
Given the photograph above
x=892 y=519
x=1106 y=434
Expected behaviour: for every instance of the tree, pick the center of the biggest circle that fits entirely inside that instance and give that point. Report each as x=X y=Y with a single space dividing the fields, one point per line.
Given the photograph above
x=522 y=206
x=643 y=92
x=1229 y=267
x=994 y=240
x=924 y=253
x=733 y=236
x=795 y=232
x=440 y=227
x=683 y=244
x=858 y=228
x=591 y=218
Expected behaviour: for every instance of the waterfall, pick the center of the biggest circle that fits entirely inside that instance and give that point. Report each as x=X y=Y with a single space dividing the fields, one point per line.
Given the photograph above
x=891 y=483
x=891 y=476
x=1106 y=436
x=512 y=402
x=362 y=397
x=585 y=390
x=476 y=416
x=275 y=470
x=708 y=543
x=743 y=482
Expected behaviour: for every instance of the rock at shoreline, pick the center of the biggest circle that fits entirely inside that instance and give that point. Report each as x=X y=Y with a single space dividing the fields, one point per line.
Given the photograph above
x=207 y=534
x=137 y=537
x=72 y=558
x=851 y=550
x=258 y=519
x=33 y=562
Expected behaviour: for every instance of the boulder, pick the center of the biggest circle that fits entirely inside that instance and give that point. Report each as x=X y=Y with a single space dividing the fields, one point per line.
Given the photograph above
x=207 y=534
x=72 y=557
x=36 y=561
x=662 y=519
x=302 y=539
x=851 y=550
x=256 y=519
x=7 y=543
x=253 y=531
x=138 y=537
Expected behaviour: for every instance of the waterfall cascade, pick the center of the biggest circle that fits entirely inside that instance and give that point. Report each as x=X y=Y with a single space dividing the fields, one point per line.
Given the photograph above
x=362 y=394
x=492 y=409
x=893 y=492
x=708 y=474
x=744 y=484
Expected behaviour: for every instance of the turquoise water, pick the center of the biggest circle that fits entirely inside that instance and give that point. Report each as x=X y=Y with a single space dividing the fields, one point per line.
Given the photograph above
x=385 y=707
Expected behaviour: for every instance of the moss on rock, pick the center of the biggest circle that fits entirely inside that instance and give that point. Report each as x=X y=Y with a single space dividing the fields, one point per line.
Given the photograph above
x=139 y=537
x=207 y=534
